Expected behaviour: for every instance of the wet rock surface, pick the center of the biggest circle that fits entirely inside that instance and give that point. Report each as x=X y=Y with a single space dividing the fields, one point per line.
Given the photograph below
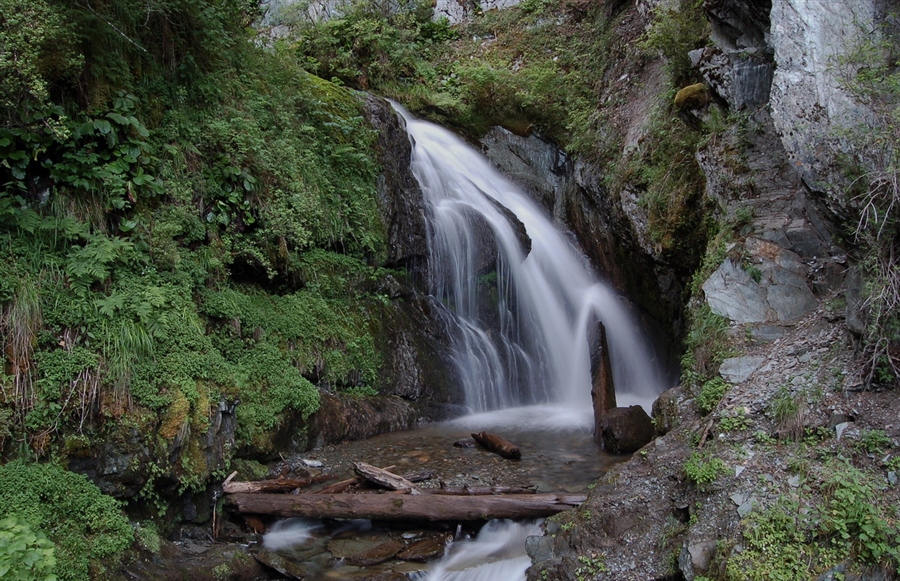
x=625 y=430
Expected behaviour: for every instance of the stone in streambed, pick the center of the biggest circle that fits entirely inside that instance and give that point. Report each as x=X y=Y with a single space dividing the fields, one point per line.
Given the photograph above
x=285 y=566
x=425 y=550
x=377 y=554
x=625 y=430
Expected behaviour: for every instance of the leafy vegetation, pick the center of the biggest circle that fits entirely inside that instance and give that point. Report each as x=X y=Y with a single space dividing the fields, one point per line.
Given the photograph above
x=796 y=540
x=24 y=554
x=703 y=470
x=187 y=219
x=87 y=528
x=518 y=67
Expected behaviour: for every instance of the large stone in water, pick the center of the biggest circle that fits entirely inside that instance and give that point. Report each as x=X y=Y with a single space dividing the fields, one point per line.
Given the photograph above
x=425 y=550
x=625 y=430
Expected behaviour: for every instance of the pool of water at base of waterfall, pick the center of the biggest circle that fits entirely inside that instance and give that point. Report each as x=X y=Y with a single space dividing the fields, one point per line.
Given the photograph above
x=558 y=455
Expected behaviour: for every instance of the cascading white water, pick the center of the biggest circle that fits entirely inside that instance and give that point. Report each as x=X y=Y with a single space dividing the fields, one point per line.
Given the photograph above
x=537 y=351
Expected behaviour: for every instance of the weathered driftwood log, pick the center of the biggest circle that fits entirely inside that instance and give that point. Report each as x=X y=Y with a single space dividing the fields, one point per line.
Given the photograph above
x=603 y=390
x=498 y=445
x=483 y=490
x=274 y=485
x=428 y=507
x=384 y=478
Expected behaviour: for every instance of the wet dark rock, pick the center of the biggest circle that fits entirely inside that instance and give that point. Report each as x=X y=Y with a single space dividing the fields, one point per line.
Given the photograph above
x=534 y=162
x=400 y=197
x=425 y=550
x=625 y=430
x=288 y=568
x=378 y=554
x=364 y=552
x=743 y=81
x=465 y=443
x=415 y=343
x=200 y=562
x=739 y=24
x=341 y=417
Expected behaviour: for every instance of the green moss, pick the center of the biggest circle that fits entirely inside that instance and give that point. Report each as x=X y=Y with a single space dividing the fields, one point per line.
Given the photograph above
x=175 y=417
x=691 y=97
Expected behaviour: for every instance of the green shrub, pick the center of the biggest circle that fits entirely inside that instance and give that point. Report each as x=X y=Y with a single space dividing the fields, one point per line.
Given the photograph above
x=874 y=442
x=87 y=527
x=674 y=33
x=711 y=393
x=852 y=521
x=736 y=422
x=703 y=470
x=775 y=546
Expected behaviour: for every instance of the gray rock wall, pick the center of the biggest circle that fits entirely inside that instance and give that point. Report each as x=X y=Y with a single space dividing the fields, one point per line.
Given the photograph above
x=813 y=42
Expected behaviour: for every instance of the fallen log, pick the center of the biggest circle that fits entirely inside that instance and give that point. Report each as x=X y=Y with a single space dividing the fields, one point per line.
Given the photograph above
x=483 y=490
x=498 y=445
x=384 y=478
x=274 y=485
x=428 y=507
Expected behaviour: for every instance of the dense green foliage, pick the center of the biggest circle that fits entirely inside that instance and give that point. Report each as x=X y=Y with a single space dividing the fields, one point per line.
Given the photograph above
x=87 y=528
x=186 y=217
x=24 y=554
x=530 y=65
x=795 y=540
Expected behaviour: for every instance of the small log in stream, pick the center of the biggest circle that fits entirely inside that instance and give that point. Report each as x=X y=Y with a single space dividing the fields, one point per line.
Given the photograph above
x=429 y=507
x=382 y=477
x=274 y=485
x=498 y=445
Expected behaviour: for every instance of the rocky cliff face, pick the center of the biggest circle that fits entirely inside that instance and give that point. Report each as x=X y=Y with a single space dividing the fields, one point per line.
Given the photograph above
x=781 y=282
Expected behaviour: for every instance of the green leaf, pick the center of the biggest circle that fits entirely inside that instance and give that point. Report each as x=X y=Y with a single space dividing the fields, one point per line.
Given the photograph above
x=120 y=119
x=103 y=126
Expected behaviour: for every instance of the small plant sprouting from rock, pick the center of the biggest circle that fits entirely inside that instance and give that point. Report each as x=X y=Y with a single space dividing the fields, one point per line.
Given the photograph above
x=738 y=421
x=711 y=394
x=591 y=566
x=873 y=442
x=703 y=470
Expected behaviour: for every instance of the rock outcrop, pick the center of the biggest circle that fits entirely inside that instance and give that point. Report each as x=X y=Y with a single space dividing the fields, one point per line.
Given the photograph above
x=815 y=45
x=778 y=282
x=402 y=206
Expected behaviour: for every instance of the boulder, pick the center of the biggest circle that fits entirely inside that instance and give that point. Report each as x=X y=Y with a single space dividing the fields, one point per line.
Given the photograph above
x=666 y=415
x=625 y=430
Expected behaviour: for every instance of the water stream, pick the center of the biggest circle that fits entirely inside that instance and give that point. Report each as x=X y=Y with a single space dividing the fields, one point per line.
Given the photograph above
x=522 y=301
x=530 y=346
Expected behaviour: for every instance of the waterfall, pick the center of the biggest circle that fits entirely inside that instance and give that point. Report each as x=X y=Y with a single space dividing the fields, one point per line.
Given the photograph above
x=521 y=315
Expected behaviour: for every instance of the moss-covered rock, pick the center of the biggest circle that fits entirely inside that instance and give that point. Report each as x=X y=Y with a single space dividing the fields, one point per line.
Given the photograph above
x=692 y=97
